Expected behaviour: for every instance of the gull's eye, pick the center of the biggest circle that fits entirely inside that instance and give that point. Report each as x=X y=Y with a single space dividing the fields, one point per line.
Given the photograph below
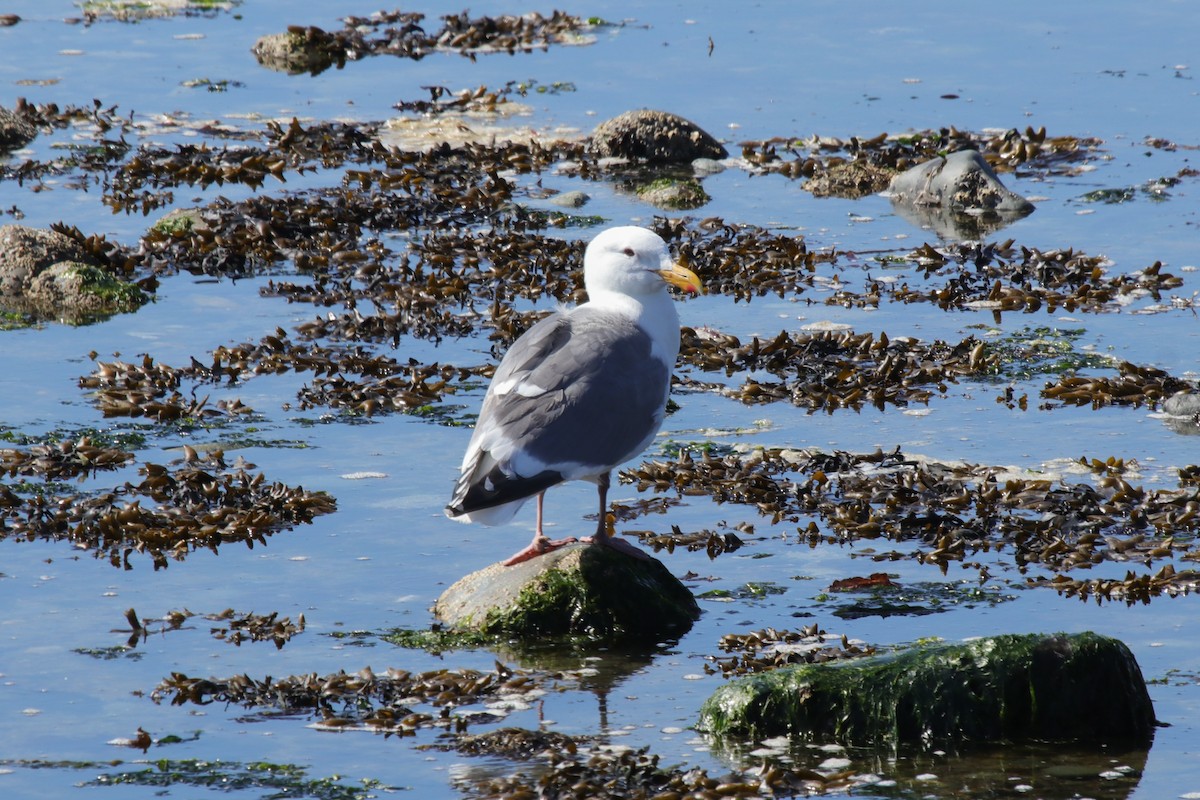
x=629 y=252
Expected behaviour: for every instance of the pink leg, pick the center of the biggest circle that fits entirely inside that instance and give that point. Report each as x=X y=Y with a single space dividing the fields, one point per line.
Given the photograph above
x=541 y=543
x=602 y=536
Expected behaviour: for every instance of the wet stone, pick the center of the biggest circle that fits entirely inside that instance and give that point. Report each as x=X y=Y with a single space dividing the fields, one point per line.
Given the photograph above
x=702 y=167
x=15 y=131
x=83 y=291
x=938 y=193
x=295 y=52
x=1182 y=404
x=1062 y=687
x=577 y=590
x=25 y=252
x=573 y=199
x=674 y=195
x=654 y=136
x=49 y=274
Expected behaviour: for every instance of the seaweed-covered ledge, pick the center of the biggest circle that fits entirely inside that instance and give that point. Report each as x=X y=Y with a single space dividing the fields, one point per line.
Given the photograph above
x=1063 y=687
x=577 y=590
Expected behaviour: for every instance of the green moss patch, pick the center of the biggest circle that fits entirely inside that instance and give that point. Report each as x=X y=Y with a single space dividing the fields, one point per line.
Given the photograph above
x=1076 y=687
x=575 y=591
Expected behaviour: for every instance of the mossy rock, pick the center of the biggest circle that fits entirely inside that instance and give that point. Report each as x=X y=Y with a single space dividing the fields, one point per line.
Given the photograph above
x=577 y=590
x=77 y=292
x=674 y=195
x=181 y=222
x=1064 y=687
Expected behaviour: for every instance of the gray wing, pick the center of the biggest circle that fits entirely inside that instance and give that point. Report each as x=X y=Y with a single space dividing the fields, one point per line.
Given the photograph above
x=577 y=390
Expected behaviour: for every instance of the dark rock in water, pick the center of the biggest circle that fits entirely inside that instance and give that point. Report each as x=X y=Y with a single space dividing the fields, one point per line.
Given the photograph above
x=654 y=136
x=1065 y=687
x=958 y=197
x=45 y=273
x=577 y=590
x=15 y=131
x=312 y=51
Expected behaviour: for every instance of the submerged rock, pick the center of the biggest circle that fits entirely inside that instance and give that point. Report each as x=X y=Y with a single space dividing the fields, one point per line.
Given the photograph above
x=1076 y=687
x=572 y=199
x=654 y=136
x=47 y=274
x=577 y=590
x=958 y=196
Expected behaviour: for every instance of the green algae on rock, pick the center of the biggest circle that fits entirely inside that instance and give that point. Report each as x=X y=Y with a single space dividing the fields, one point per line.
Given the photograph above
x=577 y=590
x=1062 y=687
x=50 y=274
x=674 y=195
x=83 y=293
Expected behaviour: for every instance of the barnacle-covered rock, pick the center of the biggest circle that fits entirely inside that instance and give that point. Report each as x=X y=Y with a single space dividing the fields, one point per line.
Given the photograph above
x=654 y=136
x=298 y=50
x=25 y=252
x=16 y=131
x=1076 y=687
x=850 y=179
x=577 y=590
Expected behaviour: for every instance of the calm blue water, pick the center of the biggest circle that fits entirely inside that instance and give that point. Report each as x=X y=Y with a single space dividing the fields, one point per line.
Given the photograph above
x=1116 y=71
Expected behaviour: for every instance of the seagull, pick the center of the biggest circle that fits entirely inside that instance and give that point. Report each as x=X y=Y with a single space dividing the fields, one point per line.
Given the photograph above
x=581 y=392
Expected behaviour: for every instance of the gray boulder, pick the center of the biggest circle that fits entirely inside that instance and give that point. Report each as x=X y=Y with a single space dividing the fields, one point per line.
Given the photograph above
x=957 y=196
x=1183 y=413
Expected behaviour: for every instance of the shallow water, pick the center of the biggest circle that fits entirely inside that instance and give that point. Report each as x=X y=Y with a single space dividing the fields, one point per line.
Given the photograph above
x=1119 y=72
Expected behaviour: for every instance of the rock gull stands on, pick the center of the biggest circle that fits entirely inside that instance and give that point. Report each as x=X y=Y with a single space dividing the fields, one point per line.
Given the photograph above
x=581 y=392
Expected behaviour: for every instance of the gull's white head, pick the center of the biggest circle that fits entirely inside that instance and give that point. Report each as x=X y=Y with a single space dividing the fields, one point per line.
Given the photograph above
x=633 y=261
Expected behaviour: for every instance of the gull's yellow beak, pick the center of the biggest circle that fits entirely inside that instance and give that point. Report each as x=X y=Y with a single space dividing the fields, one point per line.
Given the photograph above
x=684 y=278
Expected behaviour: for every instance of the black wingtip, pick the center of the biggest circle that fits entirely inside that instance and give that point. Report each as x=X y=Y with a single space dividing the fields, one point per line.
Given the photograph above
x=472 y=496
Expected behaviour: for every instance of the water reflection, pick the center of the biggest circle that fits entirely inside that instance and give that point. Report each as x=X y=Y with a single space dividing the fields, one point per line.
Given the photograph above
x=597 y=670
x=1046 y=770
